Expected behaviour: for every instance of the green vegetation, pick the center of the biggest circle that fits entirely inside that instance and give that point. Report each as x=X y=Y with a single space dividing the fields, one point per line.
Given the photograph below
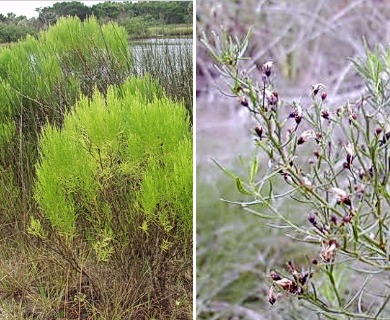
x=46 y=76
x=95 y=181
x=12 y=32
x=171 y=30
x=142 y=19
x=118 y=176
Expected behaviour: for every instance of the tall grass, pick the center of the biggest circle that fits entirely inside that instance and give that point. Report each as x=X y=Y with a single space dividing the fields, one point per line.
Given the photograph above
x=176 y=30
x=170 y=63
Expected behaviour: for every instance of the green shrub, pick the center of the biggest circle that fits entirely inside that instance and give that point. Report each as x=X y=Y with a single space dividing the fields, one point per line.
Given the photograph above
x=137 y=27
x=41 y=78
x=14 y=32
x=118 y=175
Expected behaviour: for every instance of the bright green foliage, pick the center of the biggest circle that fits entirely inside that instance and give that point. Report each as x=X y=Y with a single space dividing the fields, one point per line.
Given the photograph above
x=119 y=165
x=48 y=72
x=168 y=185
x=42 y=77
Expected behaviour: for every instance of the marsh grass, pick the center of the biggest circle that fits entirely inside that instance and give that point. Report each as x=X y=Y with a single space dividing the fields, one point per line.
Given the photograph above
x=160 y=31
x=176 y=30
x=170 y=64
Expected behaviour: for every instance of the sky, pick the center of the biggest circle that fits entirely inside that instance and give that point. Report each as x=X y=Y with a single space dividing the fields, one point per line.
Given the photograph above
x=27 y=8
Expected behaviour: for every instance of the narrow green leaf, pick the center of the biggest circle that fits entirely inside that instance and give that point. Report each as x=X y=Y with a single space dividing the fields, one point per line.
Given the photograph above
x=221 y=167
x=254 y=168
x=241 y=188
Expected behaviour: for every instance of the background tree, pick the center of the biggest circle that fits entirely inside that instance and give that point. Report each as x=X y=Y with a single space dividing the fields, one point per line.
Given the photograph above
x=73 y=8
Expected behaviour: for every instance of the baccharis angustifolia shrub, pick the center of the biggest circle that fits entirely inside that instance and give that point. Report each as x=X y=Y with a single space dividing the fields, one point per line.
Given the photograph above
x=118 y=176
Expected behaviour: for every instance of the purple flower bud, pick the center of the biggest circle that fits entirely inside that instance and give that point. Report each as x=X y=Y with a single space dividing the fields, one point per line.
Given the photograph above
x=272 y=97
x=267 y=68
x=259 y=132
x=341 y=196
x=244 y=102
x=312 y=219
x=347 y=218
x=271 y=295
x=325 y=114
x=306 y=135
x=316 y=88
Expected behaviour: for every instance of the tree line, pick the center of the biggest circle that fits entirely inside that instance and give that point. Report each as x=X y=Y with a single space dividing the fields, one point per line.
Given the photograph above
x=135 y=17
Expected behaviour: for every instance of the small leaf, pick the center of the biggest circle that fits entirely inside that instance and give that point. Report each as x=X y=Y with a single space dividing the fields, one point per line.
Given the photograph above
x=240 y=187
x=254 y=168
x=226 y=171
x=144 y=227
x=271 y=193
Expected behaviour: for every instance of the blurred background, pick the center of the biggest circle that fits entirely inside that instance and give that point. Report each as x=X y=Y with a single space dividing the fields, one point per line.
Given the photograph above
x=309 y=41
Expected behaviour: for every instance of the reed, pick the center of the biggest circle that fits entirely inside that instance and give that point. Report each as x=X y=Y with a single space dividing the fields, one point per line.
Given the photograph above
x=170 y=63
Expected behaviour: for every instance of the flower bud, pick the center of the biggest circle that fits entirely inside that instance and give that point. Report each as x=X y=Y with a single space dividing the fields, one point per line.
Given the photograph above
x=323 y=95
x=316 y=88
x=312 y=219
x=285 y=283
x=341 y=196
x=350 y=151
x=362 y=174
x=259 y=132
x=287 y=178
x=275 y=276
x=244 y=102
x=319 y=136
x=325 y=114
x=328 y=251
x=272 y=97
x=271 y=295
x=297 y=113
x=306 y=135
x=352 y=117
x=267 y=68
x=333 y=219
x=347 y=218
x=386 y=137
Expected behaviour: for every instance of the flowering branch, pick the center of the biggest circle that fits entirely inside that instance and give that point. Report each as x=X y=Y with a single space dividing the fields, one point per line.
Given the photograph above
x=332 y=160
